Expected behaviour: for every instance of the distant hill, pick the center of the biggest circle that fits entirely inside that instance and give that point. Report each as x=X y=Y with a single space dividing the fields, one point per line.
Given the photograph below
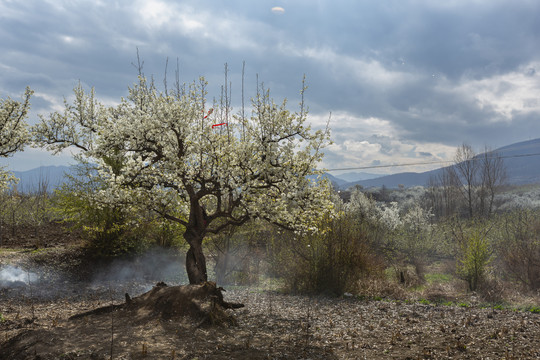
x=52 y=176
x=357 y=176
x=522 y=162
x=337 y=182
x=407 y=179
x=342 y=180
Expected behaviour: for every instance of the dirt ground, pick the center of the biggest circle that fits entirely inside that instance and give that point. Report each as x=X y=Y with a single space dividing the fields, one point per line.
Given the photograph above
x=35 y=324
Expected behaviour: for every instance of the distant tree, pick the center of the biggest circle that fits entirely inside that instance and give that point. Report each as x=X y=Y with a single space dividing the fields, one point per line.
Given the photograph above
x=493 y=173
x=464 y=174
x=469 y=185
x=441 y=196
x=204 y=169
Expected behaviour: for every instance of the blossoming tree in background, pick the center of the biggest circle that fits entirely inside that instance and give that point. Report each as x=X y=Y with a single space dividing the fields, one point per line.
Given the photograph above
x=163 y=149
x=14 y=133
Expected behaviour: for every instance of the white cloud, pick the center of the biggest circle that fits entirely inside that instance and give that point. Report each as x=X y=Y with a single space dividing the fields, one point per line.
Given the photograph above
x=402 y=156
x=55 y=103
x=371 y=142
x=367 y=71
x=342 y=122
x=199 y=24
x=157 y=14
x=508 y=94
x=278 y=10
x=73 y=41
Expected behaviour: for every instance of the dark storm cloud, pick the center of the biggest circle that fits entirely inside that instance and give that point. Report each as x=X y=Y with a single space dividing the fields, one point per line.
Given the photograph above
x=402 y=78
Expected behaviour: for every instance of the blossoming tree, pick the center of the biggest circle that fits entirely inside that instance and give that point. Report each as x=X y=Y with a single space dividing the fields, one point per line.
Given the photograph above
x=164 y=149
x=13 y=129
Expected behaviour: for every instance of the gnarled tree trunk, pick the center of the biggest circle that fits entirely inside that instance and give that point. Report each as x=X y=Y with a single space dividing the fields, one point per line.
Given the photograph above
x=194 y=235
x=195 y=261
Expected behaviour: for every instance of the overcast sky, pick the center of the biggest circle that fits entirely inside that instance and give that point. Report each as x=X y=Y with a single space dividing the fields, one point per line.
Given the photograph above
x=406 y=81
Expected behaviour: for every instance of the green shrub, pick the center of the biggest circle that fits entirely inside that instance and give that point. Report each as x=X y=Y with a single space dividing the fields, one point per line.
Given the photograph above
x=110 y=229
x=474 y=257
x=473 y=250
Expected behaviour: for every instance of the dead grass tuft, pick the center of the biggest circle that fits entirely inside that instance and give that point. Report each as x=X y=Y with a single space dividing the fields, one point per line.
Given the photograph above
x=374 y=287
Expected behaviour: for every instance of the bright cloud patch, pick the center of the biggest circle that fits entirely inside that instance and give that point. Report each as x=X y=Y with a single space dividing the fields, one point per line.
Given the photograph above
x=368 y=143
x=201 y=25
x=342 y=121
x=157 y=14
x=363 y=70
x=507 y=94
x=278 y=10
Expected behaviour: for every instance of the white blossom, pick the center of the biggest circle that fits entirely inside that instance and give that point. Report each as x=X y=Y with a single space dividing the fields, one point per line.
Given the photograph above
x=14 y=133
x=159 y=149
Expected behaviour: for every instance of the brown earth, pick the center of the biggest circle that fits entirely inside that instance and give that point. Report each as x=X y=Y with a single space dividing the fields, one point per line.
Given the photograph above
x=36 y=324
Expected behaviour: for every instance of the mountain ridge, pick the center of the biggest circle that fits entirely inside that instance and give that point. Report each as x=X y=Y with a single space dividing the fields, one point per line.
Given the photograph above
x=51 y=177
x=521 y=159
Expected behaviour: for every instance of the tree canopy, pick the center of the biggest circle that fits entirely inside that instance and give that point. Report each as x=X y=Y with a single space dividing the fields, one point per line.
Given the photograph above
x=14 y=133
x=165 y=149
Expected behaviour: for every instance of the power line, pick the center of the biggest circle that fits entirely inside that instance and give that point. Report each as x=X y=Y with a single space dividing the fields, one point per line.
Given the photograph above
x=392 y=165
x=424 y=163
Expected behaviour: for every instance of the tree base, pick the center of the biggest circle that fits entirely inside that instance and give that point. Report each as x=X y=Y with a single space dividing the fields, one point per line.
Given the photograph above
x=201 y=303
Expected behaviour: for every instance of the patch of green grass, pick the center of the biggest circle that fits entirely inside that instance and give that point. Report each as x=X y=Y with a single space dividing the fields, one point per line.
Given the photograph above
x=529 y=308
x=424 y=301
x=437 y=278
x=464 y=305
x=2 y=318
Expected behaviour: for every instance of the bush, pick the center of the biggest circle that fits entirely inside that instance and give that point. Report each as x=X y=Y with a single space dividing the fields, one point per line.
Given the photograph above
x=518 y=246
x=110 y=229
x=332 y=261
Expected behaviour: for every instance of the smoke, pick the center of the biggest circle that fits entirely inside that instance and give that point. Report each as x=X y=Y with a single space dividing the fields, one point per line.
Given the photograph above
x=134 y=275
x=13 y=276
x=153 y=266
